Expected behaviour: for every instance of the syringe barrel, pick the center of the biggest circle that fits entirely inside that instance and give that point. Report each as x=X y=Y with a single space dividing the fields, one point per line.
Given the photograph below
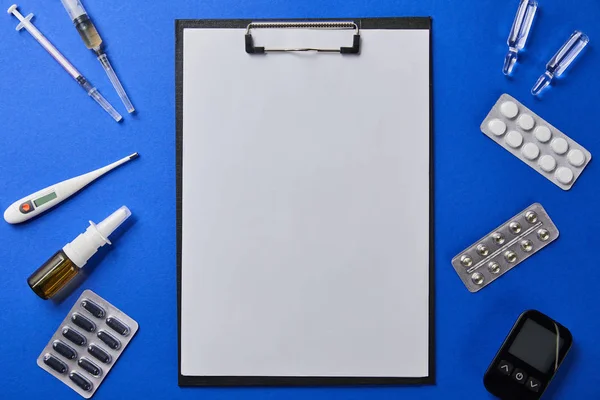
x=74 y=8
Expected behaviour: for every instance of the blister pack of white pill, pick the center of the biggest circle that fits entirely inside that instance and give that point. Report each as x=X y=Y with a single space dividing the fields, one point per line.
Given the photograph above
x=535 y=142
x=87 y=343
x=505 y=247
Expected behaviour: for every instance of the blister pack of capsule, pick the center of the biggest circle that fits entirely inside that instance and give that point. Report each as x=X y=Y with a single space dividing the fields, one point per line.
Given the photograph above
x=505 y=247
x=535 y=142
x=87 y=343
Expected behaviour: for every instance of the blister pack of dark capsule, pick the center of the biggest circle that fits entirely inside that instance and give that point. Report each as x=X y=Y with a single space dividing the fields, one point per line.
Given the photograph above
x=87 y=343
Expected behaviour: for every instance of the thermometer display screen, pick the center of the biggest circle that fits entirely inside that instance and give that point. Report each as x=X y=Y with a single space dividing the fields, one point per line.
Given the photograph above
x=44 y=199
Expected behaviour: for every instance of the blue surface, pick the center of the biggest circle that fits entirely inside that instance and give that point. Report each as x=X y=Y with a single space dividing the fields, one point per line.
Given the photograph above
x=50 y=131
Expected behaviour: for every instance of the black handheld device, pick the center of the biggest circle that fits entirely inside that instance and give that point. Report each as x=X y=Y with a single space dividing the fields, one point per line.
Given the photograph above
x=529 y=358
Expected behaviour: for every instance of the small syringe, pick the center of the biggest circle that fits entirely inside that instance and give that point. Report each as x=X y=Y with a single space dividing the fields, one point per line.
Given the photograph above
x=93 y=41
x=25 y=22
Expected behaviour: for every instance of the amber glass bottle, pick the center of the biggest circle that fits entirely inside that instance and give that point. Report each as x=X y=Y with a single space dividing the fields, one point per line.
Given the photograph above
x=53 y=275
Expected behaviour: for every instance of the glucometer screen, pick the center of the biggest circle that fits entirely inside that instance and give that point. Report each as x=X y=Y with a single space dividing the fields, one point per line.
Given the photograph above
x=536 y=346
x=44 y=199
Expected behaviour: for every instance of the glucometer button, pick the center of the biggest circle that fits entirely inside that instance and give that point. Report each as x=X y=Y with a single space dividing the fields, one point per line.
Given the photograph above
x=505 y=367
x=520 y=376
x=533 y=384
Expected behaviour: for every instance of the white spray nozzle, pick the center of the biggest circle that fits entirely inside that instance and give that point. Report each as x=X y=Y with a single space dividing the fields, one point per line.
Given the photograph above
x=87 y=244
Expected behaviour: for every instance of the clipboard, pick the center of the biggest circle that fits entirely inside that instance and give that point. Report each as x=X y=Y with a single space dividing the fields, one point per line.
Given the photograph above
x=280 y=281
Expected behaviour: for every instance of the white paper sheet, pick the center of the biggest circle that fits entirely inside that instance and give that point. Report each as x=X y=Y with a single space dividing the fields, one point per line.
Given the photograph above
x=305 y=206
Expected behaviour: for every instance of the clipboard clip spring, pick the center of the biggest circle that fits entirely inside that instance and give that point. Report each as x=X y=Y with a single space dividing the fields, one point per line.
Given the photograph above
x=252 y=49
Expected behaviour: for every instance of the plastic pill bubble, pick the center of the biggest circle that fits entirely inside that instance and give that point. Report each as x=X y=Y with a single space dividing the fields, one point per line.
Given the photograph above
x=477 y=278
x=530 y=151
x=55 y=363
x=494 y=267
x=80 y=381
x=98 y=353
x=109 y=340
x=543 y=235
x=526 y=245
x=64 y=350
x=497 y=127
x=547 y=163
x=73 y=336
x=509 y=109
x=542 y=134
x=531 y=217
x=83 y=322
x=526 y=122
x=93 y=308
x=514 y=227
x=498 y=238
x=510 y=256
x=559 y=146
x=117 y=326
x=564 y=175
x=576 y=158
x=483 y=250
x=466 y=261
x=514 y=139
x=89 y=367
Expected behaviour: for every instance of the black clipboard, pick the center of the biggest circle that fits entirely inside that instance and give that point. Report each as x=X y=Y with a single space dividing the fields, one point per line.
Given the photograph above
x=400 y=23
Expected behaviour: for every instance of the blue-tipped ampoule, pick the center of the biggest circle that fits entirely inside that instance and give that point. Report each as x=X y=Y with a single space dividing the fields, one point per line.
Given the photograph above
x=519 y=33
x=561 y=60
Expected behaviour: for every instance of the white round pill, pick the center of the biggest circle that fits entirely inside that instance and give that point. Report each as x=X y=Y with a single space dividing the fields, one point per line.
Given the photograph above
x=564 y=175
x=514 y=139
x=497 y=127
x=547 y=163
x=509 y=109
x=526 y=122
x=576 y=158
x=559 y=145
x=530 y=151
x=542 y=133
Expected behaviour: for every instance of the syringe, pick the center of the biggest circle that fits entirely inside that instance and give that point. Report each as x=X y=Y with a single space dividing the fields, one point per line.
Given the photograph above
x=92 y=40
x=25 y=22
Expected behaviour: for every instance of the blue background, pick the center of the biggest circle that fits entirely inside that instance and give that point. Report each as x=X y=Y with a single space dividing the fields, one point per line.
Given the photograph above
x=50 y=131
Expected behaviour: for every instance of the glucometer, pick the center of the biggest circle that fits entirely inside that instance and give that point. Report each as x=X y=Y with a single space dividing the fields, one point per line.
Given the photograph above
x=529 y=358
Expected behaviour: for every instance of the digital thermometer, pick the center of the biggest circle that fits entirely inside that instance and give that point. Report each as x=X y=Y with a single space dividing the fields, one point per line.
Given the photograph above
x=43 y=200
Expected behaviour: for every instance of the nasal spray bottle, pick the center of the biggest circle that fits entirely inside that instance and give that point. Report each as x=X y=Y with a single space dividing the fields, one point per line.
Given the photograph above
x=63 y=266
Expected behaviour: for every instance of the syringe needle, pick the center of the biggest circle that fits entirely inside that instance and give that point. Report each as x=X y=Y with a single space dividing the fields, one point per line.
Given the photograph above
x=115 y=82
x=25 y=22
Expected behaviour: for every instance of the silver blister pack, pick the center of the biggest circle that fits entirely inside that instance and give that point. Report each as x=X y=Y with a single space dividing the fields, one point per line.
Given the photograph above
x=505 y=247
x=535 y=142
x=87 y=343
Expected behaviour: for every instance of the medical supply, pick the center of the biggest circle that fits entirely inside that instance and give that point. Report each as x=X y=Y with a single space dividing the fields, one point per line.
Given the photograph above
x=63 y=266
x=81 y=357
x=25 y=22
x=505 y=247
x=561 y=60
x=86 y=29
x=43 y=200
x=529 y=358
x=535 y=142
x=519 y=33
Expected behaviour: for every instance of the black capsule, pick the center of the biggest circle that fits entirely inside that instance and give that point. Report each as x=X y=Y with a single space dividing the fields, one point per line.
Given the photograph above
x=93 y=308
x=55 y=363
x=109 y=340
x=89 y=366
x=83 y=322
x=64 y=350
x=80 y=381
x=117 y=326
x=73 y=336
x=98 y=353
